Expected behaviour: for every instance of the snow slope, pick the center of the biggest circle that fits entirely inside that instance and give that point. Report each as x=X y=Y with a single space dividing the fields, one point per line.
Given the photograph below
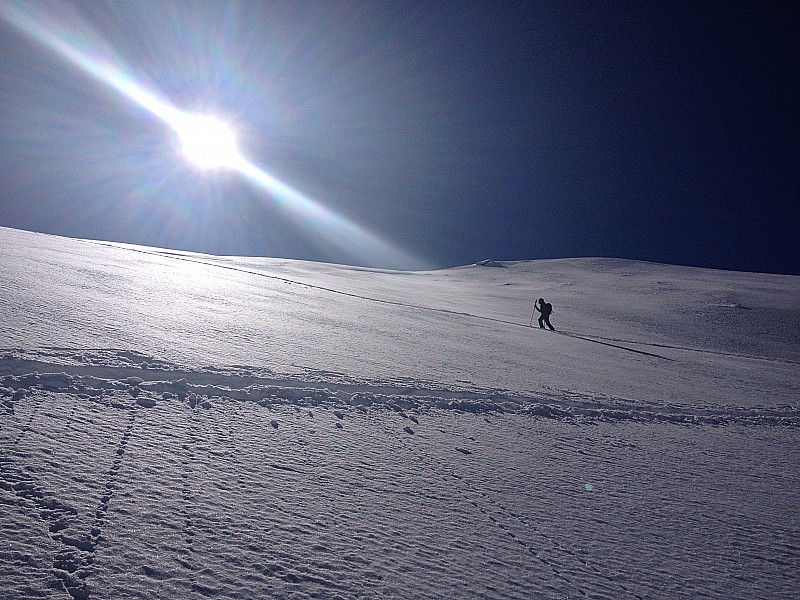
x=184 y=425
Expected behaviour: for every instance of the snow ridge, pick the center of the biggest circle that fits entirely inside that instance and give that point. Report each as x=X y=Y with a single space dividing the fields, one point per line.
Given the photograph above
x=90 y=378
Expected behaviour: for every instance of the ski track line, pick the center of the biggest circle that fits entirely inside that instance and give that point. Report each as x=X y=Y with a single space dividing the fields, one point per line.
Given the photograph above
x=53 y=513
x=75 y=554
x=37 y=403
x=188 y=502
x=552 y=540
x=588 y=338
x=685 y=348
x=367 y=298
x=514 y=517
x=517 y=539
x=585 y=337
x=68 y=561
x=451 y=474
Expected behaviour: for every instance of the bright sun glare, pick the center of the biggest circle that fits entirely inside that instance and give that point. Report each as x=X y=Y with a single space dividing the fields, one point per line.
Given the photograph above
x=207 y=142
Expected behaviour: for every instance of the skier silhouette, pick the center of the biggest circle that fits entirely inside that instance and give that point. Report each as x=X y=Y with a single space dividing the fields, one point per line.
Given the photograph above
x=545 y=308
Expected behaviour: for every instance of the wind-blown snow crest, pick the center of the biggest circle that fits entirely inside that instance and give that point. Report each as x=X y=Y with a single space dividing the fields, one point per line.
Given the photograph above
x=91 y=375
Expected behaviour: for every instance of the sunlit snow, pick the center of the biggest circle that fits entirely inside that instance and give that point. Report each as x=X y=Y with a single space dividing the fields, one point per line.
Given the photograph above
x=178 y=425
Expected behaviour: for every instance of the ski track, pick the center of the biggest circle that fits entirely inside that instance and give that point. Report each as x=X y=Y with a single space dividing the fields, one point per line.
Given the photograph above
x=595 y=339
x=122 y=475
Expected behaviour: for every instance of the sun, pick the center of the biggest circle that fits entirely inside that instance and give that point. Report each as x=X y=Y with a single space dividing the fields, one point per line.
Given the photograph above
x=207 y=142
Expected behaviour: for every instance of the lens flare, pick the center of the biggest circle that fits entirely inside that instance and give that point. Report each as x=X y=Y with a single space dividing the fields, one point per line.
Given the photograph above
x=206 y=141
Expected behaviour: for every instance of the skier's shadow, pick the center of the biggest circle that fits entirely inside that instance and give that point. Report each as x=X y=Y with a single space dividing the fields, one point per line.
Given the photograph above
x=579 y=337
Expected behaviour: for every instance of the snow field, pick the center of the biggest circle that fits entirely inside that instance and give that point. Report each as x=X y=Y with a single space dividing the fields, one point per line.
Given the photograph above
x=456 y=326
x=176 y=425
x=217 y=497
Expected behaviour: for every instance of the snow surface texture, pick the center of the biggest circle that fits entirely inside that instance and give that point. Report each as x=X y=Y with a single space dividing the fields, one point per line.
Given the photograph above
x=176 y=425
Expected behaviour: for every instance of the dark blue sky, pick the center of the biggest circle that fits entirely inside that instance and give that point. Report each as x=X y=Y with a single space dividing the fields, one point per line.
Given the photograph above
x=457 y=131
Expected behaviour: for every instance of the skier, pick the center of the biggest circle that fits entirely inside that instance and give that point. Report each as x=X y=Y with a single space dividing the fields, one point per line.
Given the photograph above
x=545 y=308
